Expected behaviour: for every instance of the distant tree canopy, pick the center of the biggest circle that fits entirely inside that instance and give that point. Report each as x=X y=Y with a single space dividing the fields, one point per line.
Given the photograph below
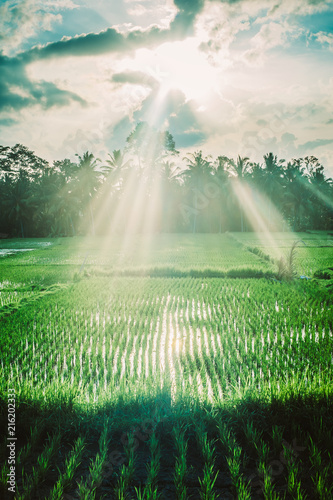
x=148 y=187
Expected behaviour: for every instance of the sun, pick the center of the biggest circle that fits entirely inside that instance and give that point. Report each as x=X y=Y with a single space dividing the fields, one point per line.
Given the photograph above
x=182 y=66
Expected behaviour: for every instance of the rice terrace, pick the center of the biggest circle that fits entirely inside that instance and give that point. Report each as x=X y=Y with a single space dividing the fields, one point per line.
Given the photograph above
x=172 y=366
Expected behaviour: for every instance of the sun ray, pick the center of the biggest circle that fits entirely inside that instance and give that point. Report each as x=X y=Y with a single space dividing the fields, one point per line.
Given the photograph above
x=254 y=205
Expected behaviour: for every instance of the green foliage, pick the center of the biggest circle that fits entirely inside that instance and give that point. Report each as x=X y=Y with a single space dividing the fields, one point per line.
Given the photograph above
x=201 y=195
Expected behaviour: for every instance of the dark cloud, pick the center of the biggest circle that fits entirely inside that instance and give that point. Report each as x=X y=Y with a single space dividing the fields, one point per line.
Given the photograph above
x=82 y=45
x=288 y=138
x=107 y=41
x=135 y=78
x=7 y=122
x=310 y=145
x=187 y=13
x=18 y=92
x=111 y=40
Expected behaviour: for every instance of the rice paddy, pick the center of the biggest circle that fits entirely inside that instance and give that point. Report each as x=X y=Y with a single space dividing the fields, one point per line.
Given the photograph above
x=182 y=377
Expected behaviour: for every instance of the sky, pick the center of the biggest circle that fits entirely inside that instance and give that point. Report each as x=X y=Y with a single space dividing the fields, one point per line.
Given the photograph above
x=226 y=77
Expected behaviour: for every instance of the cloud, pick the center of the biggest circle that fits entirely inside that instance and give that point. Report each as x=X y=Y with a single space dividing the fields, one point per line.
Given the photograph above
x=300 y=7
x=217 y=27
x=188 y=10
x=20 y=21
x=269 y=36
x=18 y=92
x=160 y=12
x=82 y=45
x=135 y=78
x=114 y=40
x=138 y=10
x=325 y=39
x=307 y=147
x=106 y=41
x=173 y=113
x=116 y=134
x=182 y=121
x=7 y=122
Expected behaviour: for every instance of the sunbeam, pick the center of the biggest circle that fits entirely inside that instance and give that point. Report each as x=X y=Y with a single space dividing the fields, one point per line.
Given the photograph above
x=254 y=205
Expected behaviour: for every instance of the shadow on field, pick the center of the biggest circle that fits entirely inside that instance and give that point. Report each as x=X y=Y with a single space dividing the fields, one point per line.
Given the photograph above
x=250 y=440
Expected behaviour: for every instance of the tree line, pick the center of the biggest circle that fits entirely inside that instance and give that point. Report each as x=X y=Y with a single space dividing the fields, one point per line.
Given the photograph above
x=147 y=186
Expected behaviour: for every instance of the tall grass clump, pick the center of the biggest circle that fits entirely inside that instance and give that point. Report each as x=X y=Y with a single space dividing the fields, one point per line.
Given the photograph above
x=286 y=265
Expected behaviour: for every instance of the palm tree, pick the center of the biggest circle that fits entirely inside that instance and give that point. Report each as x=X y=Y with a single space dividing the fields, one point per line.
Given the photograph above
x=67 y=168
x=199 y=171
x=272 y=180
x=297 y=199
x=116 y=168
x=169 y=181
x=240 y=168
x=45 y=188
x=18 y=201
x=64 y=208
x=222 y=177
x=88 y=179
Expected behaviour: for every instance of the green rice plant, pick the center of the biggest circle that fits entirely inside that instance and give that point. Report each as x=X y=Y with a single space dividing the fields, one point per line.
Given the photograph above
x=234 y=465
x=268 y=487
x=293 y=475
x=71 y=464
x=25 y=452
x=264 y=471
x=180 y=472
x=226 y=437
x=277 y=436
x=39 y=472
x=252 y=435
x=315 y=457
x=322 y=473
x=4 y=477
x=207 y=483
x=87 y=489
x=151 y=490
x=233 y=453
x=207 y=449
x=126 y=471
x=142 y=495
x=243 y=490
x=263 y=452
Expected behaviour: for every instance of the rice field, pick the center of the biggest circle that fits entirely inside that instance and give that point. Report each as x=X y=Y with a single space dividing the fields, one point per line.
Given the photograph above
x=314 y=252
x=146 y=387
x=178 y=252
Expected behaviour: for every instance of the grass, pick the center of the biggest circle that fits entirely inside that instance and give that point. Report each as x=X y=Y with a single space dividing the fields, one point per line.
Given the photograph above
x=216 y=378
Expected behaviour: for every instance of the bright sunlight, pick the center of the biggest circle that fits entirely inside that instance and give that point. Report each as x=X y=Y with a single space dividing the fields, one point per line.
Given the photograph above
x=195 y=79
